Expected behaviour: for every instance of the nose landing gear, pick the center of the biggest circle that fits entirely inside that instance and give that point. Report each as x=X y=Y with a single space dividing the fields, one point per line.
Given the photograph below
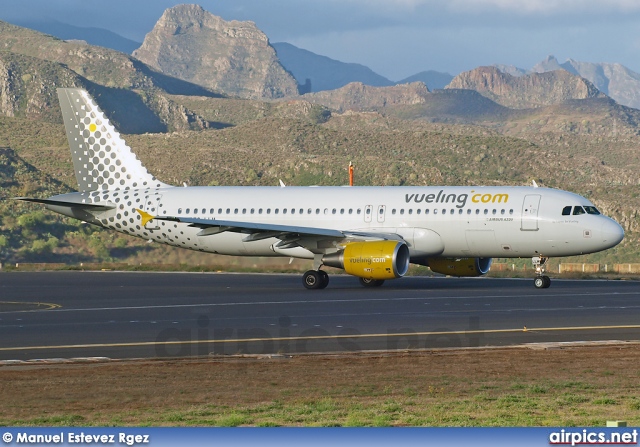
x=541 y=281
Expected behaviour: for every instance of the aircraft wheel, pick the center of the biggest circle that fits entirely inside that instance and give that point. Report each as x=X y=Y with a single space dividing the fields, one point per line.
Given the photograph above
x=312 y=279
x=542 y=282
x=325 y=278
x=366 y=282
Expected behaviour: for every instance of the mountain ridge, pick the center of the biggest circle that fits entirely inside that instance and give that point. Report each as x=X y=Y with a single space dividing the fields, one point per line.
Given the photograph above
x=233 y=57
x=323 y=72
x=527 y=91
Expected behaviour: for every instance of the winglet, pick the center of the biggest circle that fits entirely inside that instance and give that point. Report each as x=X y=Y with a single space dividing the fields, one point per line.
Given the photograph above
x=146 y=217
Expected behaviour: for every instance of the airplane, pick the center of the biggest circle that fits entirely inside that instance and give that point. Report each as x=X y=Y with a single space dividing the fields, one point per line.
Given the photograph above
x=370 y=232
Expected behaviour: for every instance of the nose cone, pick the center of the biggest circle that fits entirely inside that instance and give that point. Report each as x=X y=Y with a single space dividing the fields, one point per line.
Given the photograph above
x=612 y=233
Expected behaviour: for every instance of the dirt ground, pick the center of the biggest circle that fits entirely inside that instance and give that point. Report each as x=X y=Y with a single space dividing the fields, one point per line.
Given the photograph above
x=510 y=386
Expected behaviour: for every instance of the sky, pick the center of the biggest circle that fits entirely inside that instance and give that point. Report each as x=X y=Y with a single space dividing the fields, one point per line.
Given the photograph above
x=395 y=38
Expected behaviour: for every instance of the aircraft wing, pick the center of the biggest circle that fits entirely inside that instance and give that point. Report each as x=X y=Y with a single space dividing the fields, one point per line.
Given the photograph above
x=289 y=235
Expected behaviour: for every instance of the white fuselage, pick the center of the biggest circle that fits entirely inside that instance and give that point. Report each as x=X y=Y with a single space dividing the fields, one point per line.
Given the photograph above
x=442 y=221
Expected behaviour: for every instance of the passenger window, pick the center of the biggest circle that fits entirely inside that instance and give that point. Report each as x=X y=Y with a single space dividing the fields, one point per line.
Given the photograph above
x=253 y=210
x=317 y=210
x=452 y=211
x=350 y=210
x=211 y=211
x=204 y=211
x=402 y=211
x=477 y=211
x=577 y=210
x=486 y=211
x=359 y=211
x=444 y=211
x=195 y=211
x=244 y=211
x=219 y=210
x=368 y=210
x=511 y=211
x=426 y=211
x=341 y=210
x=268 y=210
x=393 y=211
x=501 y=211
x=493 y=212
x=566 y=211
x=228 y=211
x=469 y=211
x=460 y=211
x=179 y=210
x=418 y=211
x=434 y=211
x=187 y=210
x=235 y=211
x=277 y=210
x=260 y=211
x=411 y=211
x=284 y=211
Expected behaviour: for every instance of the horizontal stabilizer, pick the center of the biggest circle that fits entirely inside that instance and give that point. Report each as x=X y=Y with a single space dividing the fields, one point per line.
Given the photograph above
x=87 y=206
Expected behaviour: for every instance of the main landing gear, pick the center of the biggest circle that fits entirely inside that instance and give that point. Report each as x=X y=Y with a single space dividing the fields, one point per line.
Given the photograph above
x=541 y=281
x=315 y=279
x=366 y=282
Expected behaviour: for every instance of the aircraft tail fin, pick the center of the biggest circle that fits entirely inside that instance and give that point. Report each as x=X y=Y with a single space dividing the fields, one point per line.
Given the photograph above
x=102 y=160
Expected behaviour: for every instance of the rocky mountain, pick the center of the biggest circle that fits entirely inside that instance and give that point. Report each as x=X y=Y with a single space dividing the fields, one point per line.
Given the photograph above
x=92 y=36
x=360 y=97
x=323 y=72
x=529 y=91
x=33 y=64
x=28 y=86
x=234 y=57
x=433 y=79
x=511 y=69
x=615 y=80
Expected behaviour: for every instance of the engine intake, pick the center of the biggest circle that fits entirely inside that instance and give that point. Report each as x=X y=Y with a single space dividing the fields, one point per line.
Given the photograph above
x=460 y=267
x=372 y=259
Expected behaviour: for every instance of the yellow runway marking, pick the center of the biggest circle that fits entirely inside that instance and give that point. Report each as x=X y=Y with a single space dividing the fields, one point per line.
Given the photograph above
x=37 y=305
x=318 y=337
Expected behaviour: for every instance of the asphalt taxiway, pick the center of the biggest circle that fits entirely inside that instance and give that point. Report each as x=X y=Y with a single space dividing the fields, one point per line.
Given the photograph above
x=51 y=315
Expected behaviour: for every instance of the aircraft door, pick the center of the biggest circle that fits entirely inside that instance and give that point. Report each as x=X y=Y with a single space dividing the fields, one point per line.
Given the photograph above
x=381 y=212
x=530 y=208
x=368 y=210
x=152 y=206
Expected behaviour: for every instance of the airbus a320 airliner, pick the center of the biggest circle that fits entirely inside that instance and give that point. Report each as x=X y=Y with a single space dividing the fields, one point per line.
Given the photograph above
x=372 y=233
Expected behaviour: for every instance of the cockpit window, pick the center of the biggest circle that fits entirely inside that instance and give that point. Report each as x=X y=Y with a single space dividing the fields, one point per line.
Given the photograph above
x=592 y=210
x=566 y=211
x=577 y=210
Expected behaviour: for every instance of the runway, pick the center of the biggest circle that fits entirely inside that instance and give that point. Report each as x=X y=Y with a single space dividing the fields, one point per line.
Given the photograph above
x=50 y=315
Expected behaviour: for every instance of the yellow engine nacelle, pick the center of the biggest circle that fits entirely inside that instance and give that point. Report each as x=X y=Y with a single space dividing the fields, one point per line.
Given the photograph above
x=461 y=266
x=372 y=259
